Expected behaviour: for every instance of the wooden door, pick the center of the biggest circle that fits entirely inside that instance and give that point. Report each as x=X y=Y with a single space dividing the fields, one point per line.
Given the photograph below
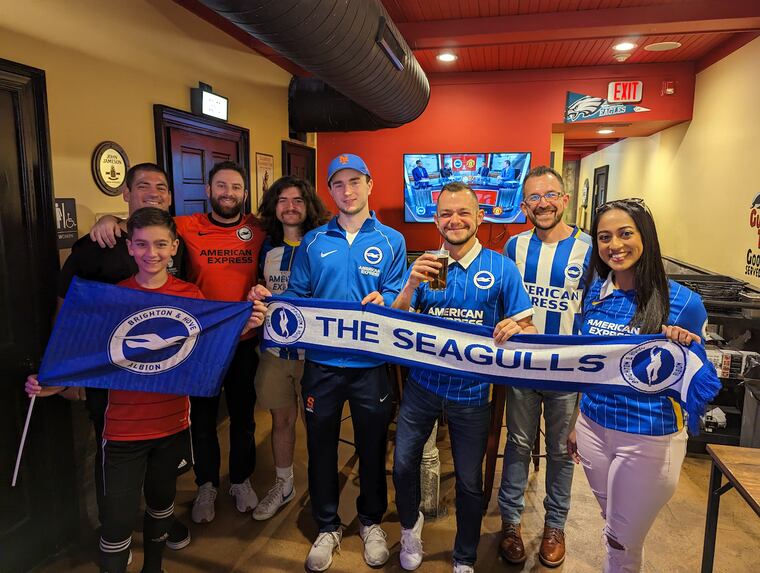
x=193 y=156
x=599 y=196
x=299 y=161
x=188 y=146
x=39 y=516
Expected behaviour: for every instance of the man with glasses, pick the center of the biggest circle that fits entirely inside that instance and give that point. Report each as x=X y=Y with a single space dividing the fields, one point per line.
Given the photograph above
x=552 y=259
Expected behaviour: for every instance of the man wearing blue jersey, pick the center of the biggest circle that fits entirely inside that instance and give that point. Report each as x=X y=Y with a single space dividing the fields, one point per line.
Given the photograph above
x=289 y=208
x=552 y=258
x=354 y=257
x=483 y=287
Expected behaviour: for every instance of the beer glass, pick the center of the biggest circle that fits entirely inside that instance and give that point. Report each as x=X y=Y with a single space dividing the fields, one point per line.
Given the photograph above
x=438 y=282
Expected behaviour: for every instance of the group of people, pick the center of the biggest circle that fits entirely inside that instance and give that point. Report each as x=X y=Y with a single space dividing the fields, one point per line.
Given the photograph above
x=554 y=279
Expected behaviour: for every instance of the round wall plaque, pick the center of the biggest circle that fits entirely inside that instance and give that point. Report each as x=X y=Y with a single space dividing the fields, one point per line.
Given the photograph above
x=109 y=167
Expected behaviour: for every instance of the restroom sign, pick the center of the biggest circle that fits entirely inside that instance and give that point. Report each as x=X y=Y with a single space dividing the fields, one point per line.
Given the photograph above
x=625 y=92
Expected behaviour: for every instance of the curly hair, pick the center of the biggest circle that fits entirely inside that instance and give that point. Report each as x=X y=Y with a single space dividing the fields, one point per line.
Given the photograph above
x=316 y=212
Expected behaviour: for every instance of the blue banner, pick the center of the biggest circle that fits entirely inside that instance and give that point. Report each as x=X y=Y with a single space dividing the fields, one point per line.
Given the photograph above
x=108 y=336
x=581 y=107
x=642 y=364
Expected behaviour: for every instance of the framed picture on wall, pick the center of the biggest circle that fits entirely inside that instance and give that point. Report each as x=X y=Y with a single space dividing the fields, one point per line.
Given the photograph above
x=264 y=175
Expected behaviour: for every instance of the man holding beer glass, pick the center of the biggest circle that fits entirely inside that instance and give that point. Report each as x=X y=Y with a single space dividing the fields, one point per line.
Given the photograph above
x=465 y=282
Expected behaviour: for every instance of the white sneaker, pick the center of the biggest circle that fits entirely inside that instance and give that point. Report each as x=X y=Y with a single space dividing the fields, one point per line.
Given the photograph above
x=463 y=568
x=275 y=498
x=245 y=498
x=203 y=506
x=375 y=544
x=320 y=554
x=411 y=545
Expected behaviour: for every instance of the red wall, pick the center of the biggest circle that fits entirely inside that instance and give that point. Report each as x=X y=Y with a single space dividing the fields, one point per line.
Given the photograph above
x=505 y=111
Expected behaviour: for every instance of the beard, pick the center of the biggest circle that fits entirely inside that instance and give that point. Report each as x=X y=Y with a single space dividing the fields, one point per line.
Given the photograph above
x=226 y=211
x=461 y=241
x=543 y=226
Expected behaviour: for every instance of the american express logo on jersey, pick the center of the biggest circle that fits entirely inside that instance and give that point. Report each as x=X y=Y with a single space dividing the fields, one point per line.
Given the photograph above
x=460 y=314
x=554 y=298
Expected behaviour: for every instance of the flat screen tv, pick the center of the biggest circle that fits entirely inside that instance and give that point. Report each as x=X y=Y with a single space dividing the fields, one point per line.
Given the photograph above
x=496 y=178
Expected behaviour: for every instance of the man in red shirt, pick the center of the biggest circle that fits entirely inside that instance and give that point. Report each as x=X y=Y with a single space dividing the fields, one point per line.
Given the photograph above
x=222 y=254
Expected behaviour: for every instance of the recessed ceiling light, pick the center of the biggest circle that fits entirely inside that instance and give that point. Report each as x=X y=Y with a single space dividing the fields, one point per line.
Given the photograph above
x=662 y=46
x=622 y=56
x=446 y=57
x=605 y=131
x=624 y=46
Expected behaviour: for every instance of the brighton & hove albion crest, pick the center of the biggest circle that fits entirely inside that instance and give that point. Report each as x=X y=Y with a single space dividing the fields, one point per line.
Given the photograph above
x=244 y=233
x=285 y=324
x=373 y=255
x=483 y=280
x=653 y=366
x=153 y=340
x=573 y=271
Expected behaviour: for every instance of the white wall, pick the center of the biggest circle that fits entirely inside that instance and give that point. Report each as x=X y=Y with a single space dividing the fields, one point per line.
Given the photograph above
x=700 y=178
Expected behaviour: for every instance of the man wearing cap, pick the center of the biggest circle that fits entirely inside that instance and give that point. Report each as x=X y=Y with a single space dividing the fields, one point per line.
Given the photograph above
x=354 y=257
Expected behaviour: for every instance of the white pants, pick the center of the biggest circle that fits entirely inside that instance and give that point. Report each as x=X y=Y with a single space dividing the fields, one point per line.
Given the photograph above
x=633 y=477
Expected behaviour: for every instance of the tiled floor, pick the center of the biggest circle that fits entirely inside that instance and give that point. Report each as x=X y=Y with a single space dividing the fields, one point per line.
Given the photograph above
x=235 y=542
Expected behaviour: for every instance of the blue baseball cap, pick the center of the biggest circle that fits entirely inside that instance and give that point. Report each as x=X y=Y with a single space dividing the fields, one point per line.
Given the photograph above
x=346 y=161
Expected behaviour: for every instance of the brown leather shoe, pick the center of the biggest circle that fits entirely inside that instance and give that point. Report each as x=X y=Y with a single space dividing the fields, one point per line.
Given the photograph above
x=552 y=552
x=511 y=547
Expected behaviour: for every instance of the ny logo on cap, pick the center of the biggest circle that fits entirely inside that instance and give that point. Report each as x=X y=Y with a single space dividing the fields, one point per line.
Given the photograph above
x=343 y=159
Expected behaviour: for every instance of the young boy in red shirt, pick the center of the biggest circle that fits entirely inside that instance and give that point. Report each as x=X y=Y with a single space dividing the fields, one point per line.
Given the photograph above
x=146 y=434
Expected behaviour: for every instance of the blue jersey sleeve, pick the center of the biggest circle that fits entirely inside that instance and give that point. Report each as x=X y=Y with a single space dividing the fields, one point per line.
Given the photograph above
x=687 y=310
x=393 y=281
x=514 y=297
x=299 y=284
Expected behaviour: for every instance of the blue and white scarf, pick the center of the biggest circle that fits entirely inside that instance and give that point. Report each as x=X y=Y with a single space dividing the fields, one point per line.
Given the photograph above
x=641 y=364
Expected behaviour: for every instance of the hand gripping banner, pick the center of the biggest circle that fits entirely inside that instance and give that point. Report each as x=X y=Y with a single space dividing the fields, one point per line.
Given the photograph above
x=633 y=365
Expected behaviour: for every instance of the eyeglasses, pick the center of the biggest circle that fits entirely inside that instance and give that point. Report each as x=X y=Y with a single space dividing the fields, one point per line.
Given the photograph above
x=551 y=196
x=619 y=202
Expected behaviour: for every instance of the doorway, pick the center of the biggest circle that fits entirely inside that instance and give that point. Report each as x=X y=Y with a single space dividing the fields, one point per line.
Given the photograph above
x=299 y=161
x=599 y=194
x=39 y=516
x=188 y=146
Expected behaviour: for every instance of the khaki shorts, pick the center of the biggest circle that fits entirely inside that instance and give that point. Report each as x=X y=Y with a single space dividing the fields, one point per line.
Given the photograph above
x=278 y=381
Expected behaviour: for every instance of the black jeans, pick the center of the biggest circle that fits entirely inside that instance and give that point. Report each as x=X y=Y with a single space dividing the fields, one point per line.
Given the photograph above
x=325 y=390
x=130 y=468
x=240 y=395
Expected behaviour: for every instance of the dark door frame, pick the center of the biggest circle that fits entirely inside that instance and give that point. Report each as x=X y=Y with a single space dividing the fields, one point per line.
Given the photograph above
x=50 y=439
x=165 y=118
x=605 y=169
x=287 y=146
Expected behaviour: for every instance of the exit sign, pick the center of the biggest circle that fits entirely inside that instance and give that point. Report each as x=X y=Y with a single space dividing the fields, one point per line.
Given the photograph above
x=625 y=92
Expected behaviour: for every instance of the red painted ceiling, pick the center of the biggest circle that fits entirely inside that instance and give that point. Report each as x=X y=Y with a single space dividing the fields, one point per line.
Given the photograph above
x=508 y=35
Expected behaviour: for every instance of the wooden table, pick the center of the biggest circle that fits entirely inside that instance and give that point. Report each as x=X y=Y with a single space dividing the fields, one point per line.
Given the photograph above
x=741 y=467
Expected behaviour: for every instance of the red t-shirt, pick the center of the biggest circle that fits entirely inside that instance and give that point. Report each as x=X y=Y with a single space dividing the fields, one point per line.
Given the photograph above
x=223 y=261
x=133 y=415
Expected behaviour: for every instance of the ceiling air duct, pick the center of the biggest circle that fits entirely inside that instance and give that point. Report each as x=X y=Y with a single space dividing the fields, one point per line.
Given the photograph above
x=350 y=45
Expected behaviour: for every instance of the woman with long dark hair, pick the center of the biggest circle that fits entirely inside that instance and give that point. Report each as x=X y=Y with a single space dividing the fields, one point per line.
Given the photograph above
x=632 y=447
x=289 y=208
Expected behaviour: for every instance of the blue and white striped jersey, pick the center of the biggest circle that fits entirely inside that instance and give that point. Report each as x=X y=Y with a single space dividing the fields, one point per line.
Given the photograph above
x=608 y=311
x=327 y=266
x=553 y=276
x=274 y=267
x=483 y=287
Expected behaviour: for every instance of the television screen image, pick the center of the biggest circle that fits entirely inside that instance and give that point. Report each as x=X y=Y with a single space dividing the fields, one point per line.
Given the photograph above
x=496 y=178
